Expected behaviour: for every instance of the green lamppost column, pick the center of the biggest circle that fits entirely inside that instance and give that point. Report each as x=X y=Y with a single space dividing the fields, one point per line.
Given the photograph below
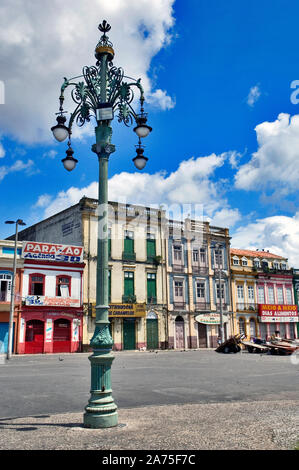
x=103 y=92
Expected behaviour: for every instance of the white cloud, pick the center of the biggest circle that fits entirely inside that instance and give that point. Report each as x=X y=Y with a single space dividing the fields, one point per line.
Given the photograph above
x=161 y=99
x=43 y=201
x=50 y=154
x=2 y=151
x=278 y=234
x=225 y=218
x=19 y=165
x=46 y=41
x=190 y=184
x=253 y=95
x=274 y=165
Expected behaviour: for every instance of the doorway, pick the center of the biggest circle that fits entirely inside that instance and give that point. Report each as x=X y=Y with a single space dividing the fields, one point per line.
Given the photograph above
x=129 y=333
x=202 y=336
x=179 y=333
x=62 y=336
x=34 y=339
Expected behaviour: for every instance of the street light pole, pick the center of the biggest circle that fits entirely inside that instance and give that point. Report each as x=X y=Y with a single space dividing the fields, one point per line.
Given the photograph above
x=218 y=247
x=105 y=90
x=13 y=284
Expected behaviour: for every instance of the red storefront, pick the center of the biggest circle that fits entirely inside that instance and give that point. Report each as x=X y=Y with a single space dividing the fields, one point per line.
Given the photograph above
x=278 y=317
x=52 y=311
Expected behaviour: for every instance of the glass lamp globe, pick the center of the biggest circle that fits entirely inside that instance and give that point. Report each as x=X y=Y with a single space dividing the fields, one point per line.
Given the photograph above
x=142 y=129
x=60 y=131
x=69 y=162
x=140 y=160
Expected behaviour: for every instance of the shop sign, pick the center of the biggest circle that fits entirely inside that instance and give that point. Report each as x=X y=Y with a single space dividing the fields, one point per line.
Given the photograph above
x=125 y=310
x=210 y=319
x=52 y=252
x=278 y=313
x=49 y=330
x=39 y=300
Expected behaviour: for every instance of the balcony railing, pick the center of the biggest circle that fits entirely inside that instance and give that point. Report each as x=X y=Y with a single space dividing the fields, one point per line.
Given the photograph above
x=224 y=306
x=152 y=300
x=200 y=269
x=245 y=306
x=129 y=299
x=128 y=256
x=178 y=268
x=179 y=305
x=202 y=306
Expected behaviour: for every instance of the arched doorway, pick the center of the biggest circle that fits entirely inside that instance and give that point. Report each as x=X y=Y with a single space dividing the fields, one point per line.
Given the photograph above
x=252 y=327
x=179 y=333
x=62 y=336
x=152 y=337
x=34 y=339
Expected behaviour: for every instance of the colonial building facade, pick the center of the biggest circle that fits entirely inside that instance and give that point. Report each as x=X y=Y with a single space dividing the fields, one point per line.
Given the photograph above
x=195 y=252
x=52 y=299
x=164 y=288
x=263 y=294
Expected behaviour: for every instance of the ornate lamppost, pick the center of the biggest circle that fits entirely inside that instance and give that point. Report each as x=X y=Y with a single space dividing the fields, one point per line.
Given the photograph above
x=105 y=90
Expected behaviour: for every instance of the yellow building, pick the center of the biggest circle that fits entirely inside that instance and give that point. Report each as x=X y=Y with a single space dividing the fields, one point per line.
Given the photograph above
x=261 y=280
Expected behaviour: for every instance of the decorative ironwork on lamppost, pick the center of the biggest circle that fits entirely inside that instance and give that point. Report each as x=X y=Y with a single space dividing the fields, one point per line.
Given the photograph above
x=104 y=91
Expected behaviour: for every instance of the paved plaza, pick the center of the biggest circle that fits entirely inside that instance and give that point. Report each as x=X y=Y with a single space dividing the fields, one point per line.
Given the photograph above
x=167 y=400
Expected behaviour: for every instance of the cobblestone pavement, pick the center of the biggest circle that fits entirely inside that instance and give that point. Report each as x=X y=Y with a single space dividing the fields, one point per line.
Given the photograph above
x=239 y=425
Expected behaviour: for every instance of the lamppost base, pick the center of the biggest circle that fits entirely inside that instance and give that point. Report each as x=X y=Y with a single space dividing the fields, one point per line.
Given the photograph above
x=97 y=421
x=101 y=411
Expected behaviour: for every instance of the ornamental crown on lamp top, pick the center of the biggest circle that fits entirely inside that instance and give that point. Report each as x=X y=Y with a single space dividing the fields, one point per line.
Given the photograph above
x=104 y=46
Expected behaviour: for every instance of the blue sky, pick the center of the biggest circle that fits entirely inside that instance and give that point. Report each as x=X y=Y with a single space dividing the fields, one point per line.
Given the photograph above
x=225 y=132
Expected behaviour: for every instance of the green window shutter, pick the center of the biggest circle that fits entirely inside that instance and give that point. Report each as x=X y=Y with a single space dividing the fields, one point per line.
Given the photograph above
x=129 y=284
x=151 y=248
x=129 y=246
x=151 y=288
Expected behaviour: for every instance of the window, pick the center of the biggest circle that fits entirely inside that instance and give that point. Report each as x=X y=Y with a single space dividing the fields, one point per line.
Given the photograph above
x=280 y=295
x=200 y=290
x=265 y=264
x=244 y=262
x=177 y=253
x=271 y=295
x=257 y=263
x=218 y=291
x=203 y=256
x=236 y=261
x=218 y=257
x=240 y=292
x=250 y=290
x=195 y=255
x=150 y=245
x=289 y=295
x=63 y=286
x=252 y=327
x=5 y=282
x=283 y=266
x=242 y=329
x=178 y=289
x=36 y=284
x=129 y=284
x=129 y=242
x=261 y=294
x=151 y=288
x=275 y=265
